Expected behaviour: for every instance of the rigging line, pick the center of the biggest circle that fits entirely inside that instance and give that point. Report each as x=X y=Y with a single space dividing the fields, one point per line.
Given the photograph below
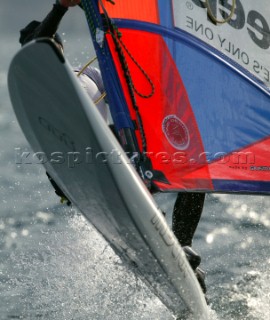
x=214 y=18
x=147 y=77
x=115 y=36
x=103 y=96
x=86 y=66
x=145 y=96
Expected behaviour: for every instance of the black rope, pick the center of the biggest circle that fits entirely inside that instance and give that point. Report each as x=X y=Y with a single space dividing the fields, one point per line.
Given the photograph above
x=116 y=36
x=145 y=96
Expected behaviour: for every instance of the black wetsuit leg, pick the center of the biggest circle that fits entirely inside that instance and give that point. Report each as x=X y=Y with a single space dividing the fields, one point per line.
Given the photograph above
x=186 y=216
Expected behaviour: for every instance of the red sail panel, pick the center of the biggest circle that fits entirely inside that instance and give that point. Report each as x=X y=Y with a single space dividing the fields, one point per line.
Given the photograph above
x=140 y=10
x=172 y=135
x=244 y=164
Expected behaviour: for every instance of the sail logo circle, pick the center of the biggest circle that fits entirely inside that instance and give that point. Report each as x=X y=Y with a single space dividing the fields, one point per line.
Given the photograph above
x=176 y=132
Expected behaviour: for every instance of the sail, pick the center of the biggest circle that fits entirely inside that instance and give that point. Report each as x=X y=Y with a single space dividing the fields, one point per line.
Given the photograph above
x=191 y=80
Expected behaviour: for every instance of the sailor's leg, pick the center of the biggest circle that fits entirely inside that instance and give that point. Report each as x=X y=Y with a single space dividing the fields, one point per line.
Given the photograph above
x=186 y=216
x=194 y=260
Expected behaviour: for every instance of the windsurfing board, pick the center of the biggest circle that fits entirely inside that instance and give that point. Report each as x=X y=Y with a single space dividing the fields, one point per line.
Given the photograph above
x=79 y=151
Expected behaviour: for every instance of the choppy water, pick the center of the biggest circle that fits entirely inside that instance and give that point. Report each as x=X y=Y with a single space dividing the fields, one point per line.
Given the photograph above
x=54 y=265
